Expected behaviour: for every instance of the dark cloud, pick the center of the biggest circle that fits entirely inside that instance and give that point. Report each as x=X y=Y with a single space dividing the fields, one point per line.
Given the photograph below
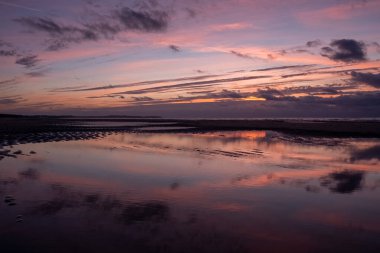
x=366 y=154
x=8 y=82
x=347 y=181
x=295 y=50
x=302 y=51
x=345 y=50
x=106 y=87
x=10 y=100
x=101 y=27
x=66 y=89
x=28 y=61
x=44 y=105
x=39 y=73
x=55 y=45
x=191 y=84
x=366 y=78
x=269 y=94
x=142 y=99
x=313 y=97
x=200 y=92
x=318 y=71
x=60 y=34
x=227 y=94
x=223 y=94
x=332 y=89
x=8 y=52
x=175 y=48
x=359 y=99
x=190 y=12
x=6 y=49
x=358 y=104
x=44 y=24
x=314 y=43
x=108 y=96
x=297 y=74
x=242 y=55
x=152 y=21
x=286 y=67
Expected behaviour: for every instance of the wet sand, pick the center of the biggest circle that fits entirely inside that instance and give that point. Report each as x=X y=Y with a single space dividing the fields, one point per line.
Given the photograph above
x=226 y=191
x=303 y=127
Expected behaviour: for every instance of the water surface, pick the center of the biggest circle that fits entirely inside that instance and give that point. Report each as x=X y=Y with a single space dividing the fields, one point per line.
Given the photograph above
x=247 y=191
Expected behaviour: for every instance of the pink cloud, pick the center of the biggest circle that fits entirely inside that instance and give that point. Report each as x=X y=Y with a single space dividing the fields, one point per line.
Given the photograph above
x=341 y=12
x=230 y=26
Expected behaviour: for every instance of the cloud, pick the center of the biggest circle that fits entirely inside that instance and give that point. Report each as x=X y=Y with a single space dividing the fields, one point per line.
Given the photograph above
x=344 y=100
x=230 y=27
x=142 y=99
x=28 y=61
x=322 y=72
x=223 y=94
x=200 y=92
x=106 y=87
x=366 y=78
x=10 y=100
x=6 y=49
x=333 y=89
x=359 y=99
x=106 y=27
x=241 y=55
x=38 y=73
x=108 y=96
x=20 y=6
x=56 y=45
x=304 y=49
x=191 y=84
x=190 y=12
x=69 y=88
x=345 y=50
x=286 y=67
x=8 y=52
x=175 y=48
x=8 y=82
x=314 y=43
x=152 y=21
x=59 y=34
x=227 y=94
x=376 y=46
x=273 y=95
x=358 y=104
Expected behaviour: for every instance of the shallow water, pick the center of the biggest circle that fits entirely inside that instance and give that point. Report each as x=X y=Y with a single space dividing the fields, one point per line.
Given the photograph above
x=248 y=191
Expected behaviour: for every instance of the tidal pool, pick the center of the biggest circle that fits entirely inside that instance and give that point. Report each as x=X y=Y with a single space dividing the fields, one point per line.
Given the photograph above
x=246 y=191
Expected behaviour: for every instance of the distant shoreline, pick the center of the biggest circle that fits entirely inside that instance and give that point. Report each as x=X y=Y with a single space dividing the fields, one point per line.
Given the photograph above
x=314 y=127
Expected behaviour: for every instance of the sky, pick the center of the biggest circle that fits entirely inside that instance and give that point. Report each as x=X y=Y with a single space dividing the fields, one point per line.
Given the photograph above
x=180 y=58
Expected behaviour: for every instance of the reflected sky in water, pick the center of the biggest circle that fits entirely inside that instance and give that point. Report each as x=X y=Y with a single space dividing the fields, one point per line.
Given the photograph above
x=252 y=191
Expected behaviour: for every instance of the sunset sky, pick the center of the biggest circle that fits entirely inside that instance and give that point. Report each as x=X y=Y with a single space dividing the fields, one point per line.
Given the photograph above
x=181 y=58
